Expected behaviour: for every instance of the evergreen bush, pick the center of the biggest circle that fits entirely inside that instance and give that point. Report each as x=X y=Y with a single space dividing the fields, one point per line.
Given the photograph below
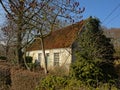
x=94 y=56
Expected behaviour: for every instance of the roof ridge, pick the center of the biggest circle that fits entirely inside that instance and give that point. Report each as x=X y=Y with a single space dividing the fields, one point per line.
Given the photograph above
x=69 y=26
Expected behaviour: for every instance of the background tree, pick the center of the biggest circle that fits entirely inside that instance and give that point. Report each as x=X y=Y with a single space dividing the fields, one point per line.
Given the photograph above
x=7 y=37
x=42 y=16
x=94 y=55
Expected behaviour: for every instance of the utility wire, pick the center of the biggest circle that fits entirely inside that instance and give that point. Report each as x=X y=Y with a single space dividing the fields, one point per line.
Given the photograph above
x=113 y=18
x=111 y=12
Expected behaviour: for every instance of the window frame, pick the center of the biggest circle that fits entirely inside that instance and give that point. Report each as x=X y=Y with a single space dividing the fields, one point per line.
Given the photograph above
x=56 y=59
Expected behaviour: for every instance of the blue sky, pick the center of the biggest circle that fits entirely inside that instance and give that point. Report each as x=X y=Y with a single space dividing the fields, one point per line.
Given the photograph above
x=108 y=11
x=2 y=16
x=102 y=9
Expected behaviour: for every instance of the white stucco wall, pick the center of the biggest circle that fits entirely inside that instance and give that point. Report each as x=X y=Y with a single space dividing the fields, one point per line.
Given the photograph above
x=65 y=57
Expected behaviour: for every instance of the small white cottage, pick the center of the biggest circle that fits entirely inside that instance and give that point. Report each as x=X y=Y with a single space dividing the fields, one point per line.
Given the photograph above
x=58 y=46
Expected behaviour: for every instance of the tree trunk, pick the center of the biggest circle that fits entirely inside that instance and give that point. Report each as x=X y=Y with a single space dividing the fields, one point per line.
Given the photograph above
x=6 y=52
x=24 y=58
x=20 y=38
x=19 y=49
x=44 y=59
x=20 y=56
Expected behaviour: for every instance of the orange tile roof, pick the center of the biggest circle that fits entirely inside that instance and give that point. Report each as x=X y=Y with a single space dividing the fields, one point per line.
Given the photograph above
x=58 y=39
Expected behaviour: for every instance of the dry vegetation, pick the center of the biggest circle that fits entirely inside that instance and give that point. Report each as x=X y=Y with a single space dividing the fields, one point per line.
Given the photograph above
x=5 y=80
x=14 y=78
x=25 y=80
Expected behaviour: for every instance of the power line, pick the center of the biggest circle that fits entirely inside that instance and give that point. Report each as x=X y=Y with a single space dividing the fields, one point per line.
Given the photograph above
x=113 y=18
x=111 y=12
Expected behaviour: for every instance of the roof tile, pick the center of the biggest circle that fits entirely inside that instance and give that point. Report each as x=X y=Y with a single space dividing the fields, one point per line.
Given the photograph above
x=58 y=39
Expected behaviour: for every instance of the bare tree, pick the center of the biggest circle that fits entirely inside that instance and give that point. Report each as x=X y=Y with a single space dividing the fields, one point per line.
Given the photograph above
x=40 y=15
x=7 y=37
x=52 y=14
x=17 y=11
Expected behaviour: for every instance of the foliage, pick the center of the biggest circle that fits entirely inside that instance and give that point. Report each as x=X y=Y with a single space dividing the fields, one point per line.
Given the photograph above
x=74 y=84
x=53 y=82
x=28 y=59
x=86 y=71
x=94 y=55
x=93 y=43
x=27 y=80
x=3 y=58
x=32 y=66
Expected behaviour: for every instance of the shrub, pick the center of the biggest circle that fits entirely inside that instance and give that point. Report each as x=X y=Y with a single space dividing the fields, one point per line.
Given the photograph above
x=86 y=71
x=53 y=82
x=5 y=77
x=24 y=79
x=74 y=84
x=28 y=59
x=3 y=57
x=94 y=55
x=34 y=67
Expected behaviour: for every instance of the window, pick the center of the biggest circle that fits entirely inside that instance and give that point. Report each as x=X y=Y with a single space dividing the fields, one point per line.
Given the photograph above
x=56 y=59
